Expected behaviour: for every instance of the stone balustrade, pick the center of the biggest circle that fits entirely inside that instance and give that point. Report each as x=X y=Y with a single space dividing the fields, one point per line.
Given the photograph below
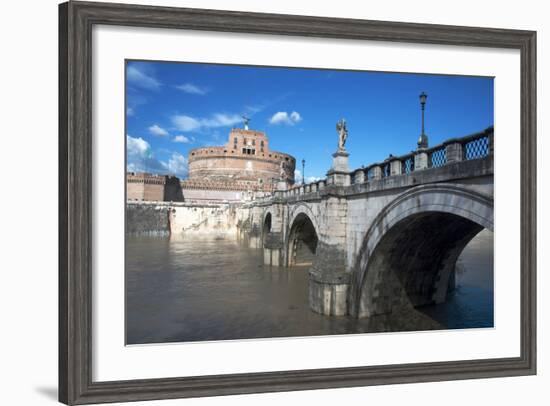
x=474 y=146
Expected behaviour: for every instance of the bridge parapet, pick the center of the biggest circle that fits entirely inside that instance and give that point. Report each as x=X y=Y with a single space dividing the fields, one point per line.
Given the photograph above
x=474 y=146
x=471 y=147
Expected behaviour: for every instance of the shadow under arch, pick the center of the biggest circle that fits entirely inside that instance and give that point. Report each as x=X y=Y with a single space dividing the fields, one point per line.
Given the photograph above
x=266 y=227
x=409 y=253
x=302 y=241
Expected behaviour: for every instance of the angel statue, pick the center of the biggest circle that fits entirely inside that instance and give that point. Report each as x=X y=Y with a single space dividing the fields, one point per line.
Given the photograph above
x=342 y=134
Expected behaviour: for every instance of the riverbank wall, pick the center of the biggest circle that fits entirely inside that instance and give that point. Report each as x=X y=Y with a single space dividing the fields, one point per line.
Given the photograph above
x=147 y=218
x=174 y=218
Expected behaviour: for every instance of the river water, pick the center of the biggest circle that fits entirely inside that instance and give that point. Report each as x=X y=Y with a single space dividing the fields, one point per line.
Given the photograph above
x=201 y=289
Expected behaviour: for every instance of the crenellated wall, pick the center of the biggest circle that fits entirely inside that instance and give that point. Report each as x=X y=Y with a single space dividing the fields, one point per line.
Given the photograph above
x=149 y=187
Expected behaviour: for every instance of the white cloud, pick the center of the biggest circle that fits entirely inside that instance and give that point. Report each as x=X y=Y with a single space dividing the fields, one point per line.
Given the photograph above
x=253 y=109
x=221 y=120
x=157 y=130
x=295 y=117
x=282 y=117
x=181 y=138
x=193 y=89
x=140 y=158
x=309 y=179
x=137 y=146
x=130 y=111
x=140 y=79
x=188 y=123
x=177 y=165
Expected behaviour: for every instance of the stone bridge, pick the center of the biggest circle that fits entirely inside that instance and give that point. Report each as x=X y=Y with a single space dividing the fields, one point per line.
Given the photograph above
x=380 y=237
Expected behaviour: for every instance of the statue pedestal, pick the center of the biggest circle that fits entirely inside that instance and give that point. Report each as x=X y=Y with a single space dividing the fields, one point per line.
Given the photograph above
x=339 y=173
x=282 y=185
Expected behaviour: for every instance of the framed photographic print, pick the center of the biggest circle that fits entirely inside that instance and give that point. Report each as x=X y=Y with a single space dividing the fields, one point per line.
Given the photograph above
x=257 y=202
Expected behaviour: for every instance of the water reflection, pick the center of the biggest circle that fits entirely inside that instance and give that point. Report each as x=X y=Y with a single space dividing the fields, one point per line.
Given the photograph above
x=197 y=289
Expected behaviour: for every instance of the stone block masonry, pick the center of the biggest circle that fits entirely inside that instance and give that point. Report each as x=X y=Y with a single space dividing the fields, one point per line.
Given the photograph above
x=171 y=218
x=203 y=219
x=145 y=218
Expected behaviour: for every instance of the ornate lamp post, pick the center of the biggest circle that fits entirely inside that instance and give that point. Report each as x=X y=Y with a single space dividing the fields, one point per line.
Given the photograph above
x=303 y=171
x=423 y=140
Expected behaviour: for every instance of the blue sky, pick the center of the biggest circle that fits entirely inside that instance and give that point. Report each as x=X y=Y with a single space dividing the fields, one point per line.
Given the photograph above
x=174 y=107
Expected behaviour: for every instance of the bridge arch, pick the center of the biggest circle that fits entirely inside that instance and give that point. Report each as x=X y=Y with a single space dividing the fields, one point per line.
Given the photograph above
x=302 y=237
x=411 y=248
x=266 y=226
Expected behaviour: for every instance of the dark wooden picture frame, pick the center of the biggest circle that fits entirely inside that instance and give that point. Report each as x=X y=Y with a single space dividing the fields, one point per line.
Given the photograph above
x=76 y=20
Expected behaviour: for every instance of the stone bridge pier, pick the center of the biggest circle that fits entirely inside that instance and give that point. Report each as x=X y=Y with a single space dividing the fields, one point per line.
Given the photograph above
x=249 y=225
x=273 y=235
x=329 y=279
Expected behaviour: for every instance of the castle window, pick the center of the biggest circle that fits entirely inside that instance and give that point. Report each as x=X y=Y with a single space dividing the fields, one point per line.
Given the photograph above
x=253 y=142
x=262 y=143
x=235 y=140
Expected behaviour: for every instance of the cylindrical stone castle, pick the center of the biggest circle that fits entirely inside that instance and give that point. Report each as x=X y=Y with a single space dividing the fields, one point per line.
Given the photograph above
x=242 y=169
x=244 y=163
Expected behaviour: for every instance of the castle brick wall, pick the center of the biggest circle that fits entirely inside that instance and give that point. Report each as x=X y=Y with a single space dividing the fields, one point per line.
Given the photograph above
x=172 y=190
x=148 y=187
